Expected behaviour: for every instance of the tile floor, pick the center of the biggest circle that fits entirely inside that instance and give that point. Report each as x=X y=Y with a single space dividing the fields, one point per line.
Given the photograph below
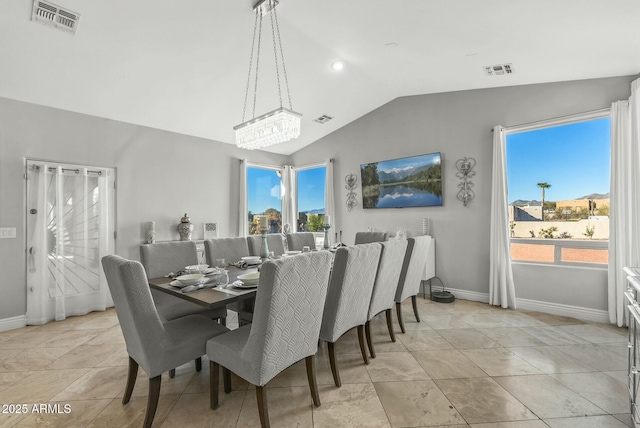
x=467 y=364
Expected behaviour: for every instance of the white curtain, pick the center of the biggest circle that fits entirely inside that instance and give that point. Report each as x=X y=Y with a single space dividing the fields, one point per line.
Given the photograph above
x=288 y=198
x=624 y=215
x=70 y=230
x=243 y=214
x=501 y=286
x=329 y=196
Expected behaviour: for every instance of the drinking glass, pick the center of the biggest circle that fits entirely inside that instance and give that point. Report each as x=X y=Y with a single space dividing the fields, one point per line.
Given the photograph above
x=306 y=249
x=221 y=263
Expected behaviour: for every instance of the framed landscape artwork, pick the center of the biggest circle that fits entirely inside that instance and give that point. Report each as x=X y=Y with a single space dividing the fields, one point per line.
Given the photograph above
x=414 y=181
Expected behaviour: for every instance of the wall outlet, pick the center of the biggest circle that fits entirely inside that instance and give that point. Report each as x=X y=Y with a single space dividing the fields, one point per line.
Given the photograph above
x=7 y=232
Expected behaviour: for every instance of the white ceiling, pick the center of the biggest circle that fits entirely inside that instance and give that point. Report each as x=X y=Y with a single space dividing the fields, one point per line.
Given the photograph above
x=182 y=66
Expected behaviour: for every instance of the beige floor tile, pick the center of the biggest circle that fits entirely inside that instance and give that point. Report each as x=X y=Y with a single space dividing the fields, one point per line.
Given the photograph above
x=287 y=407
x=110 y=336
x=518 y=424
x=27 y=340
x=353 y=405
x=66 y=324
x=482 y=400
x=32 y=359
x=547 y=397
x=510 y=336
x=423 y=340
x=549 y=359
x=553 y=319
x=607 y=393
x=596 y=356
x=84 y=356
x=553 y=336
x=132 y=414
x=102 y=322
x=625 y=418
x=596 y=334
x=13 y=416
x=586 y=422
x=118 y=358
x=40 y=386
x=447 y=364
x=482 y=320
x=500 y=362
x=395 y=366
x=513 y=318
x=415 y=404
x=351 y=368
x=97 y=383
x=69 y=414
x=468 y=339
x=619 y=375
x=445 y=321
x=192 y=410
x=71 y=338
x=11 y=378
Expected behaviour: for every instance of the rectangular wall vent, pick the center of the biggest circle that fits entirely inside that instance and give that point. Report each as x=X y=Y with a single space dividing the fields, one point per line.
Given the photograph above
x=50 y=14
x=498 y=70
x=323 y=119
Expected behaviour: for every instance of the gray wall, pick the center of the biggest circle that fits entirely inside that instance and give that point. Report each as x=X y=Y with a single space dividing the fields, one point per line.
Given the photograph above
x=457 y=124
x=160 y=176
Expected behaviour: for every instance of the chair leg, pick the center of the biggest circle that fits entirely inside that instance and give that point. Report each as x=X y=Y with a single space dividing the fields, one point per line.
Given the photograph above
x=390 y=325
x=226 y=376
x=172 y=373
x=261 y=395
x=367 y=332
x=334 y=364
x=415 y=307
x=131 y=380
x=311 y=376
x=198 y=364
x=152 y=401
x=399 y=313
x=223 y=321
x=363 y=349
x=214 y=380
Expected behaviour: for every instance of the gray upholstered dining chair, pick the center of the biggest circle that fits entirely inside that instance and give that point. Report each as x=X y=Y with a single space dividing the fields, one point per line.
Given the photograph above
x=368 y=237
x=413 y=267
x=289 y=304
x=274 y=242
x=385 y=286
x=152 y=343
x=163 y=258
x=230 y=249
x=296 y=241
x=348 y=297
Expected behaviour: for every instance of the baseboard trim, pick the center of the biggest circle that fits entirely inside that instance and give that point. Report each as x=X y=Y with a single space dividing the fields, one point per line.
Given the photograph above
x=585 y=314
x=13 y=323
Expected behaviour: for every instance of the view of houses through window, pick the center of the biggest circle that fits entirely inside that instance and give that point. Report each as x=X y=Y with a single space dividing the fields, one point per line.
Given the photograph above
x=265 y=192
x=558 y=192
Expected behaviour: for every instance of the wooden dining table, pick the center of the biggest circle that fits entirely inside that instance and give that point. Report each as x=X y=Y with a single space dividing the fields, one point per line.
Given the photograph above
x=211 y=298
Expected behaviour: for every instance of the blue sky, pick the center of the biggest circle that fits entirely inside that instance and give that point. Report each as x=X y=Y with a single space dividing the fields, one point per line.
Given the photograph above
x=573 y=158
x=264 y=189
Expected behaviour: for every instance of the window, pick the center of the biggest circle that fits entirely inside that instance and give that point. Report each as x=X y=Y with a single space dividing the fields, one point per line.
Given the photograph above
x=310 y=197
x=558 y=190
x=264 y=198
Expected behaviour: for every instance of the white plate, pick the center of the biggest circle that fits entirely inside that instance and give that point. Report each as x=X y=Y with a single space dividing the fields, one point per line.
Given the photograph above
x=194 y=268
x=292 y=253
x=250 y=279
x=178 y=284
x=191 y=279
x=246 y=286
x=251 y=260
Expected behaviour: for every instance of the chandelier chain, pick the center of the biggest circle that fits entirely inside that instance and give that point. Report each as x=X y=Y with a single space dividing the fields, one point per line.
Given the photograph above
x=275 y=51
x=284 y=68
x=246 y=93
x=255 y=90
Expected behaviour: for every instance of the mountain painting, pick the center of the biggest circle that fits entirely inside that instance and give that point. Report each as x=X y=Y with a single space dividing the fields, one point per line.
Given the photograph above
x=407 y=182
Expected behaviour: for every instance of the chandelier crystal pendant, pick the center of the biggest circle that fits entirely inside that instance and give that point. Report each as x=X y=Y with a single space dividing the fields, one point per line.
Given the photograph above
x=281 y=124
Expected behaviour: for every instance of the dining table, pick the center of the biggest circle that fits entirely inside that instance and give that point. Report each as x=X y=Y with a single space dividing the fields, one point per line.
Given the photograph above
x=215 y=297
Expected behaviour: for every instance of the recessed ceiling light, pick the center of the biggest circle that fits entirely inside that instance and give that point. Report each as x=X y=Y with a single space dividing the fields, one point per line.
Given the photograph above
x=337 y=66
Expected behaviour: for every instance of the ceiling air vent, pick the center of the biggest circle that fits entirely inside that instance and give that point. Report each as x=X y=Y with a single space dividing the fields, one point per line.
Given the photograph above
x=323 y=119
x=50 y=14
x=498 y=70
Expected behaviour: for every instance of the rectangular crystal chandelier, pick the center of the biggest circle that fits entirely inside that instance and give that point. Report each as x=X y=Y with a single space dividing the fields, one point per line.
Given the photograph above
x=277 y=126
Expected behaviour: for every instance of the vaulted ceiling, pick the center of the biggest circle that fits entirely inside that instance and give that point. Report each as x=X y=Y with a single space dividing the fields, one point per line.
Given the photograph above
x=182 y=66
